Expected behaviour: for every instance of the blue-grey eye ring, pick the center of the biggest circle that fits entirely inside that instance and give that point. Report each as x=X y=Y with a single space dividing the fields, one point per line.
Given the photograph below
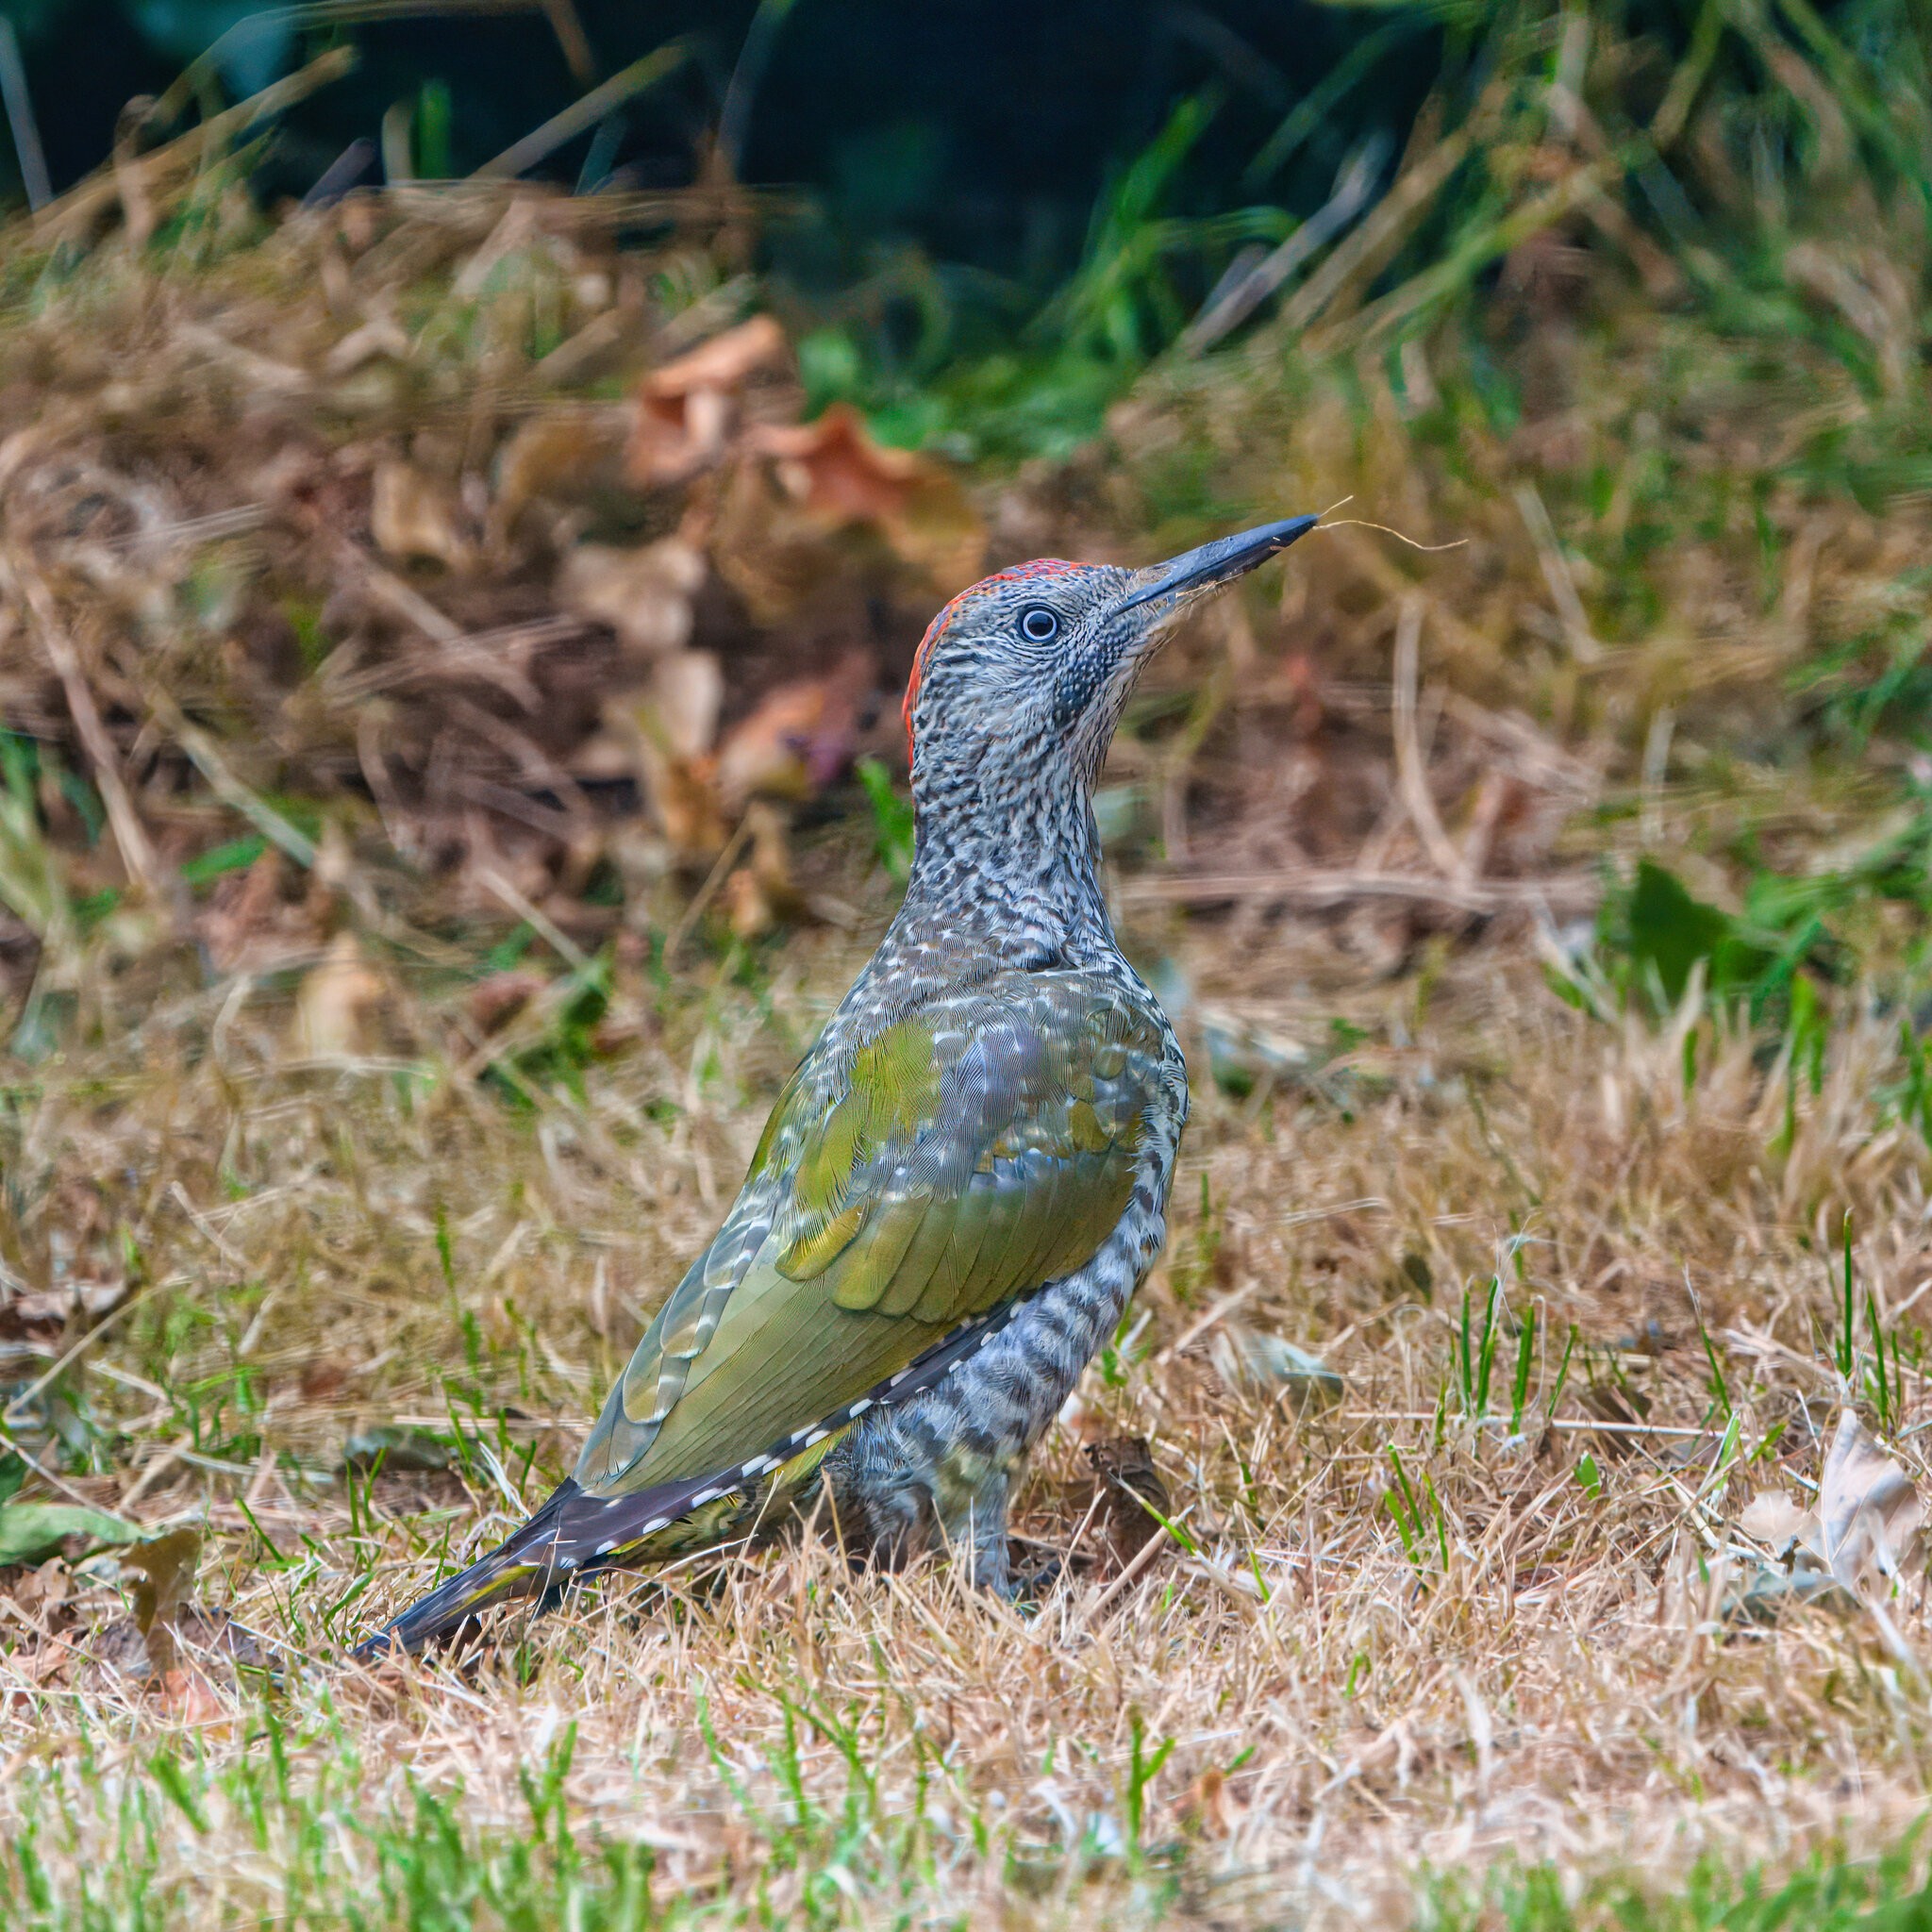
x=1039 y=624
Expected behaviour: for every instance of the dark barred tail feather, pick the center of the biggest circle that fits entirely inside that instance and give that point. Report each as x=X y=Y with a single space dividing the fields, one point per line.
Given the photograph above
x=579 y=1533
x=525 y=1564
x=572 y=1536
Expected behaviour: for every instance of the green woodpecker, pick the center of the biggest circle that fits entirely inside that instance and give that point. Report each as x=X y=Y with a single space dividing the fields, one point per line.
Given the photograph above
x=963 y=1183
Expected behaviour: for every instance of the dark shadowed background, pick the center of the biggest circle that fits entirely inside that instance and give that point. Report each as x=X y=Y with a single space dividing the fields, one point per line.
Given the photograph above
x=983 y=128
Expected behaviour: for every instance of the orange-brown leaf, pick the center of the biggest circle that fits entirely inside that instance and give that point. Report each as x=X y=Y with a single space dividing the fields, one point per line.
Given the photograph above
x=800 y=736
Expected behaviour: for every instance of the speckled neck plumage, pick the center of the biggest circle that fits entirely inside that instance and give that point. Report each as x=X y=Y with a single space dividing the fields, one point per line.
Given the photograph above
x=990 y=892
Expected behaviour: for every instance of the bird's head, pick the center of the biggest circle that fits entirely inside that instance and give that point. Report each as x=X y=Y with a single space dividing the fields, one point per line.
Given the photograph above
x=1022 y=678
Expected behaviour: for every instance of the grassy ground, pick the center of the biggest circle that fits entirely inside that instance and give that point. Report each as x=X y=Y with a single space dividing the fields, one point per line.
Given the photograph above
x=395 y=987
x=1471 y=1622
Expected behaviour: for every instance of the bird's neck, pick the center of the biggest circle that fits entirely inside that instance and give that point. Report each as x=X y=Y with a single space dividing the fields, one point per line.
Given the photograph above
x=1014 y=869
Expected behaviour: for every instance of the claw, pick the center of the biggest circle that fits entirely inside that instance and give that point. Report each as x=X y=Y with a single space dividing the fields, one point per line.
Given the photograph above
x=1029 y=1589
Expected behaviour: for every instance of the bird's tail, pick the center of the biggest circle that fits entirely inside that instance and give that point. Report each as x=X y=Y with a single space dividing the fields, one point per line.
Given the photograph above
x=573 y=1534
x=525 y=1564
x=578 y=1534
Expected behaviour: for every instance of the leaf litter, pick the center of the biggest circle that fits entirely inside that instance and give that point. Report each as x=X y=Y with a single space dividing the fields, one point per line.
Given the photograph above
x=1863 y=1538
x=433 y=682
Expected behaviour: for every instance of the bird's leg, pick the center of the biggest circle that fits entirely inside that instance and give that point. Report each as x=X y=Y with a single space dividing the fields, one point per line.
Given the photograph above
x=977 y=1528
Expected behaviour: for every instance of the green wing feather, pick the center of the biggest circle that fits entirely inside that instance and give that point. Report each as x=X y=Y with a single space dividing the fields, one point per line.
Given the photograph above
x=959 y=1157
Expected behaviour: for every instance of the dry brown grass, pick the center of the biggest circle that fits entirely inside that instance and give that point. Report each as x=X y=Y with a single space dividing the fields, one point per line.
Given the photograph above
x=1553 y=1677
x=1692 y=531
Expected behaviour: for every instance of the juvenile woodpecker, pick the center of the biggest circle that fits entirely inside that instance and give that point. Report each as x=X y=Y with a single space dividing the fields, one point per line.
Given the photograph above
x=963 y=1183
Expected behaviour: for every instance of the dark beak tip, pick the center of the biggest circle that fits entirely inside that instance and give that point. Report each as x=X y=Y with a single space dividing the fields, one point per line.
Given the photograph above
x=1222 y=561
x=1259 y=544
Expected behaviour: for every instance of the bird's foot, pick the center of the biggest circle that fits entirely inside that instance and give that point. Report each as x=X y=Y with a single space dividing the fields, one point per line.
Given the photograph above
x=1028 y=1590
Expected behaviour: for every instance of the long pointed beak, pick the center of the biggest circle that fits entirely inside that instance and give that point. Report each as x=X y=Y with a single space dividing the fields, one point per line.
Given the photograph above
x=1185 y=576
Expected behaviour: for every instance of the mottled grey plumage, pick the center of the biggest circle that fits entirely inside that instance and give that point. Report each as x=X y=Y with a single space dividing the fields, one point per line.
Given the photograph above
x=966 y=1178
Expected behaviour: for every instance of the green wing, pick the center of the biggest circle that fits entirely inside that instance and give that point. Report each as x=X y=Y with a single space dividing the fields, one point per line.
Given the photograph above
x=959 y=1157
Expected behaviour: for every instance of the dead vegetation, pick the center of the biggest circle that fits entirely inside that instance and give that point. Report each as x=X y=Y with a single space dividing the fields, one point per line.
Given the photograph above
x=435 y=651
x=1499 y=1593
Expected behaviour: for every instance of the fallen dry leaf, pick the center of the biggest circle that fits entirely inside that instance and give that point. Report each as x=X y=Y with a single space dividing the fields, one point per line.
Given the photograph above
x=322 y=1380
x=760 y=895
x=642 y=594
x=669 y=728
x=1867 y=1526
x=50 y=1309
x=1125 y=1482
x=332 y=1001
x=206 y=1647
x=382 y=335
x=165 y=1567
x=748 y=907
x=497 y=999
x=569 y=456
x=1770 y=1517
x=819 y=507
x=1870 y=1518
x=1264 y=1364
x=251 y=921
x=799 y=738
x=726 y=361
x=1866 y=1530
x=835 y=468
x=685 y=410
x=411 y=515
x=687 y=693
x=45 y=1589
x=684 y=801
x=394 y=1446
x=1209 y=1805
x=189 y=1696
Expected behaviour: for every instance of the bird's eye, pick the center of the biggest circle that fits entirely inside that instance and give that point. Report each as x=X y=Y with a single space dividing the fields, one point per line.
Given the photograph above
x=1039 y=624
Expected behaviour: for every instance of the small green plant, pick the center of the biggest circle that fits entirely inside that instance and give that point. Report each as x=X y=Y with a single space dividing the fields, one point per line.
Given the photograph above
x=891 y=818
x=1144 y=1767
x=1720 y=1388
x=1880 y=1377
x=1021 y=385
x=1400 y=1505
x=1807 y=1034
x=33 y=883
x=444 y=1254
x=1412 y=1524
x=1831 y=1892
x=563 y=1042
x=1886 y=1391
x=1476 y=1359
x=1726 y=1456
x=1908 y=1099
x=1555 y=1394
x=1845 y=1350
x=434 y=114
x=1526 y=1352
x=1193 y=1266
x=1655 y=936
x=233 y=855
